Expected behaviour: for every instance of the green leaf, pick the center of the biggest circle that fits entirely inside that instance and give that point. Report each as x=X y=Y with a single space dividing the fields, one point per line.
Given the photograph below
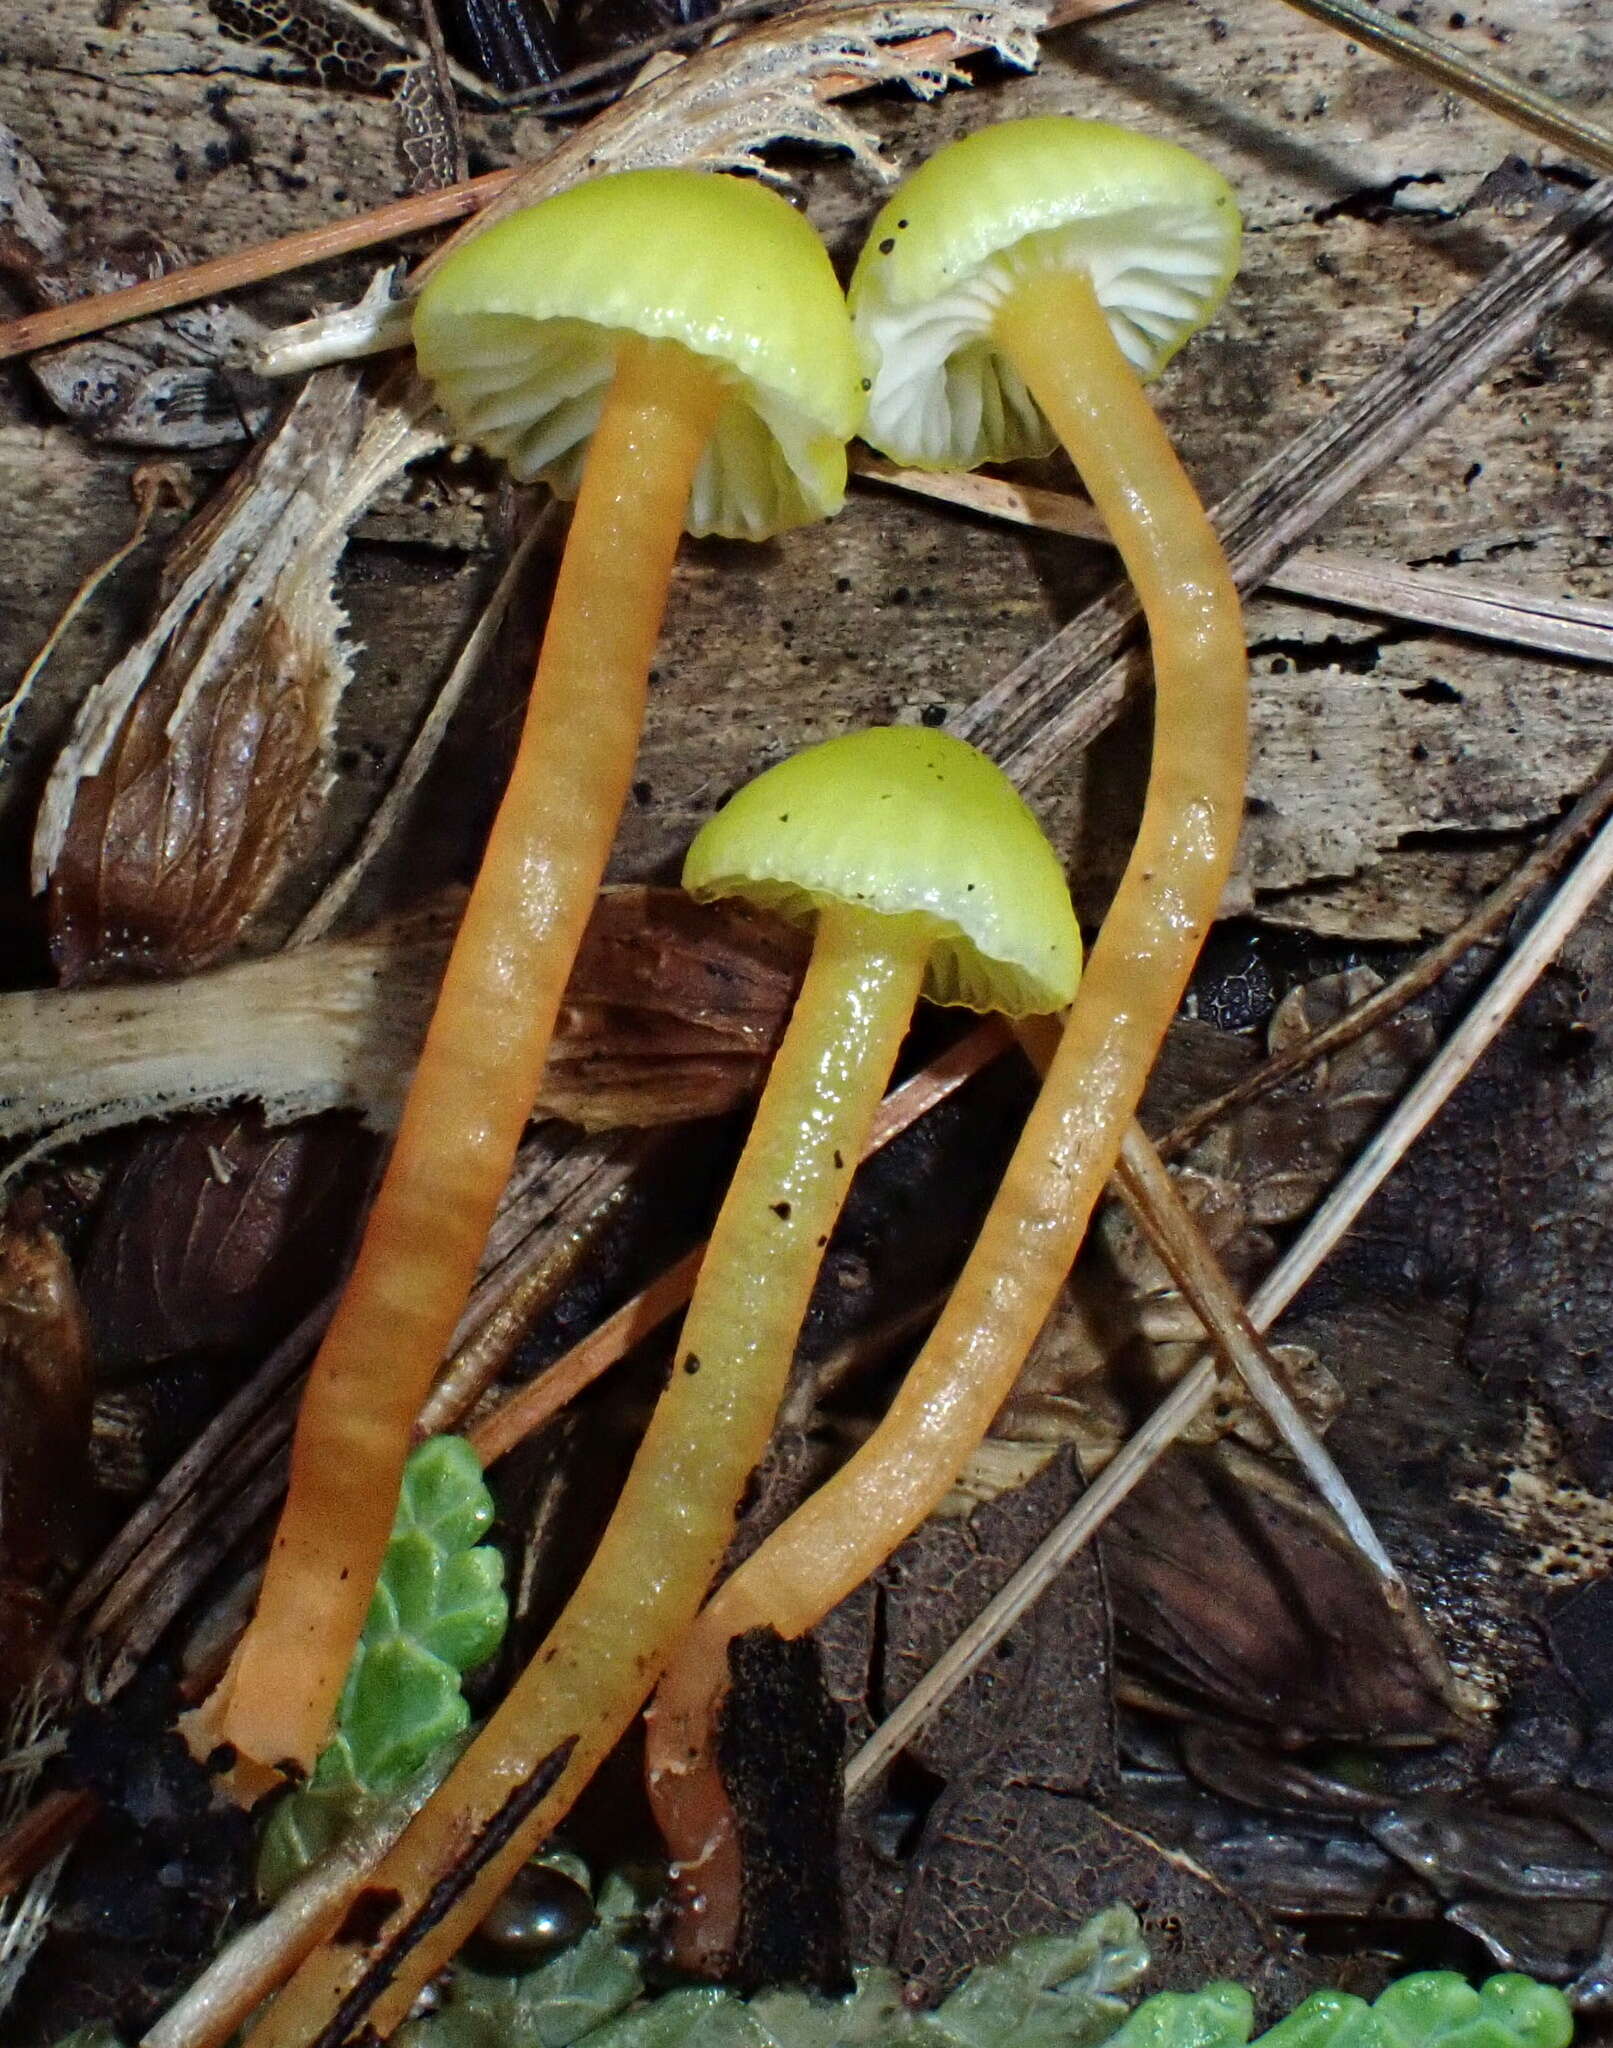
x=1220 y=2016
x=438 y=1611
x=1433 y=2009
x=1051 y=1992
x=444 y=1495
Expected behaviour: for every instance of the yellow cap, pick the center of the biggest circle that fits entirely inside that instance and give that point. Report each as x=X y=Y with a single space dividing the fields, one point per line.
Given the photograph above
x=518 y=333
x=1154 y=229
x=914 y=824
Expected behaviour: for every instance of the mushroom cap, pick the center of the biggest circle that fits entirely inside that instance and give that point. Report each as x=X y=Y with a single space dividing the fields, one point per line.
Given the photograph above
x=917 y=825
x=1154 y=229
x=519 y=330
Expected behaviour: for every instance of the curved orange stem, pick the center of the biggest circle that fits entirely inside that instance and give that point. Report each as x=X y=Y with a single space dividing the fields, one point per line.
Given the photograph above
x=667 y=1534
x=1058 y=337
x=479 y=1071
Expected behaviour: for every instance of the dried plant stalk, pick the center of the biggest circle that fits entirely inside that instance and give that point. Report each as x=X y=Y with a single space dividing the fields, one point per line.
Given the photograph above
x=671 y=1012
x=1399 y=37
x=1490 y=607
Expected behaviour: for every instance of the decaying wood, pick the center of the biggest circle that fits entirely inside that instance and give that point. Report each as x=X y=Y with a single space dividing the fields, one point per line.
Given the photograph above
x=151 y=483
x=339 y=893
x=780 y=85
x=1057 y=702
x=1483 y=926
x=1518 y=100
x=1350 y=761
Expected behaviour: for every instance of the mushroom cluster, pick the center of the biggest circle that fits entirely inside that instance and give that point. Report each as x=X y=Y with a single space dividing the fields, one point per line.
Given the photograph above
x=1005 y=294
x=1011 y=295
x=672 y=348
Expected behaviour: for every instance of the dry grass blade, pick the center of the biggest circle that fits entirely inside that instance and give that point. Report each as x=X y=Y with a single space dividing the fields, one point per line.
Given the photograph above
x=247 y=1406
x=1193 y=1392
x=1485 y=606
x=574 y=1209
x=262 y=1955
x=1147 y=1188
x=224 y=274
x=1148 y=1191
x=1070 y=689
x=23 y=1925
x=1399 y=37
x=1480 y=927
x=1440 y=1080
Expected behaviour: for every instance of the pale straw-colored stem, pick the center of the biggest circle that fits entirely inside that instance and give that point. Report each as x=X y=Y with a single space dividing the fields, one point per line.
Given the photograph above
x=1058 y=338
x=676 y=1512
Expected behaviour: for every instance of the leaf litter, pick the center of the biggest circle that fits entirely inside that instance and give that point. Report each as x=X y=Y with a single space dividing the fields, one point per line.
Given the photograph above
x=989 y=1840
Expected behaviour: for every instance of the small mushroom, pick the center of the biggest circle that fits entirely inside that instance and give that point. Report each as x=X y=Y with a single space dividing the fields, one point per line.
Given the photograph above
x=920 y=870
x=1012 y=291
x=919 y=866
x=672 y=348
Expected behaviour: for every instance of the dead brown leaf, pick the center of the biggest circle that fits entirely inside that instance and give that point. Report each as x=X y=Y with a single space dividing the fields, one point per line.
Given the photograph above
x=219 y=1233
x=44 y=1435
x=1233 y=1593
x=196 y=765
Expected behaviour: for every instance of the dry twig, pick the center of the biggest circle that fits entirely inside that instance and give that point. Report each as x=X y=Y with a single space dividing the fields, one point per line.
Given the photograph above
x=1399 y=37
x=259 y=1958
x=1485 y=606
x=1480 y=927
x=1455 y=1060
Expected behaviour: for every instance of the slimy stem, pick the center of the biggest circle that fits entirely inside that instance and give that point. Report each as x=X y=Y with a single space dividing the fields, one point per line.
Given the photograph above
x=1059 y=339
x=479 y=1071
x=676 y=1513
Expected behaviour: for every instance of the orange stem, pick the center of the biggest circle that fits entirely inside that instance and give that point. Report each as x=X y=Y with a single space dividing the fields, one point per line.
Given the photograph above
x=540 y=1400
x=1058 y=337
x=675 y=1516
x=482 y=1062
